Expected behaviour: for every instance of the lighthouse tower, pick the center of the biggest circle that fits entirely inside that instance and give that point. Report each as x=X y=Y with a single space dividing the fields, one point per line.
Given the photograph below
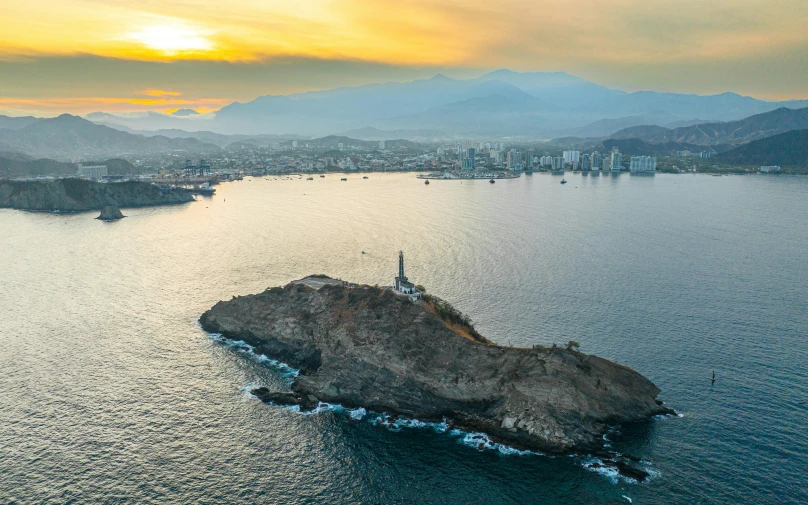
x=403 y=285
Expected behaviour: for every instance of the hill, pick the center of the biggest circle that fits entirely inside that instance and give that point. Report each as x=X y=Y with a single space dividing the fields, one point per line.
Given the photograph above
x=333 y=141
x=13 y=165
x=733 y=132
x=69 y=138
x=637 y=147
x=364 y=346
x=788 y=149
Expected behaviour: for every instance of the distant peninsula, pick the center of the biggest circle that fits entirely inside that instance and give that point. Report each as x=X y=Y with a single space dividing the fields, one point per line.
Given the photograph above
x=399 y=351
x=78 y=195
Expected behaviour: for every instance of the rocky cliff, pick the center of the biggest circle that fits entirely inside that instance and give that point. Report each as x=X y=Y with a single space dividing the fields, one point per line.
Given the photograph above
x=365 y=346
x=75 y=195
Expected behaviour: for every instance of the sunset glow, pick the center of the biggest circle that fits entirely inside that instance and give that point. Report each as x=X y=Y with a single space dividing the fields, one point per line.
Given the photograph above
x=277 y=47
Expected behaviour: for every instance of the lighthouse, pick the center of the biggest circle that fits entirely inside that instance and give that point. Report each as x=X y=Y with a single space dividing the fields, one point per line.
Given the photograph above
x=402 y=284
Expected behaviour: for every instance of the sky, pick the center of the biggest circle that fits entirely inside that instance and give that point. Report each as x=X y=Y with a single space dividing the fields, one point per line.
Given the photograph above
x=80 y=56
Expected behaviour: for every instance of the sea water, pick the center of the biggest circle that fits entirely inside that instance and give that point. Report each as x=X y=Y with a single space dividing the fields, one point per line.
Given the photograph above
x=111 y=393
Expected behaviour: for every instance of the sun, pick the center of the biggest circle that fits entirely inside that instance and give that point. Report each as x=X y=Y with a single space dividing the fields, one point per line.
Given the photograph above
x=172 y=38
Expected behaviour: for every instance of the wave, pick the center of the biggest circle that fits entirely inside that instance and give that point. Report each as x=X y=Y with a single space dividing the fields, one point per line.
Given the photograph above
x=476 y=440
x=245 y=348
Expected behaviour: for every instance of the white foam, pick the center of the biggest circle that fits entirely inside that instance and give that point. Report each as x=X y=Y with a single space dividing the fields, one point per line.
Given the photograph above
x=627 y=498
x=245 y=348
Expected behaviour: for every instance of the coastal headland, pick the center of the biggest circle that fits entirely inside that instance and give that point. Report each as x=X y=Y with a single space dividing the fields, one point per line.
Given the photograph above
x=366 y=346
x=79 y=195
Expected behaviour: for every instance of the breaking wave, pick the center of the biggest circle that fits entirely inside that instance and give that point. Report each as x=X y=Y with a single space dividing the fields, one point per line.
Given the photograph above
x=476 y=440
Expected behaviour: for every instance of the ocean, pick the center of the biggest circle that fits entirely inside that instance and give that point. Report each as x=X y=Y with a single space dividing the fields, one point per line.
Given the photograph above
x=111 y=393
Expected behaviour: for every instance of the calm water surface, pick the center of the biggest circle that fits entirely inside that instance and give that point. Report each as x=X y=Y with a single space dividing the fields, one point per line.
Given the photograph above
x=111 y=393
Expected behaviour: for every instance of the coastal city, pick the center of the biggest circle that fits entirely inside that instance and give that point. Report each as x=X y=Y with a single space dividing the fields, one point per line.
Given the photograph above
x=456 y=160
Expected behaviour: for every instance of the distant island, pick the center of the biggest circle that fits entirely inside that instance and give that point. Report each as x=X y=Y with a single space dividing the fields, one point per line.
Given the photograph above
x=78 y=195
x=399 y=351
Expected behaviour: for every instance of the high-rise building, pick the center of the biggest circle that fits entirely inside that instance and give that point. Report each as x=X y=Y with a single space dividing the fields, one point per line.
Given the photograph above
x=558 y=163
x=294 y=144
x=468 y=161
x=596 y=160
x=606 y=164
x=616 y=160
x=381 y=144
x=643 y=164
x=571 y=156
x=586 y=163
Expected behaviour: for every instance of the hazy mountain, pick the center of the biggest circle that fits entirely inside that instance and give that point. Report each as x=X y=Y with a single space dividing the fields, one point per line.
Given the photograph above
x=607 y=127
x=733 y=132
x=184 y=112
x=370 y=133
x=788 y=149
x=151 y=120
x=333 y=141
x=15 y=123
x=501 y=103
x=14 y=165
x=70 y=138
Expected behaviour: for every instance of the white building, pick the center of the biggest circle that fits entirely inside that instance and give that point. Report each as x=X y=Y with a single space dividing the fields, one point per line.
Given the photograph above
x=381 y=144
x=616 y=160
x=643 y=164
x=92 y=171
x=769 y=170
x=572 y=156
x=402 y=285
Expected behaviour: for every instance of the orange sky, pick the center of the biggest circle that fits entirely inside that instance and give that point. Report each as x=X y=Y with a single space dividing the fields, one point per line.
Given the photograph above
x=682 y=45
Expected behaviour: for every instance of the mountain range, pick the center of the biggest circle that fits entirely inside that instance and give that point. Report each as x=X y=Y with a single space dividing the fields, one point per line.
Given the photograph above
x=732 y=132
x=71 y=138
x=496 y=105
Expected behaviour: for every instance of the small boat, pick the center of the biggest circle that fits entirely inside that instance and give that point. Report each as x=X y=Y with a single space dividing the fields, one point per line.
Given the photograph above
x=322 y=176
x=365 y=177
x=426 y=181
x=563 y=181
x=492 y=181
x=309 y=178
x=344 y=179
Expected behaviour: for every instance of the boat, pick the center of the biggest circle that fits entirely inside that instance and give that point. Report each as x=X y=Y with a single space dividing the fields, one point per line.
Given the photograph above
x=205 y=189
x=426 y=181
x=344 y=179
x=322 y=176
x=309 y=178
x=365 y=177
x=563 y=181
x=492 y=181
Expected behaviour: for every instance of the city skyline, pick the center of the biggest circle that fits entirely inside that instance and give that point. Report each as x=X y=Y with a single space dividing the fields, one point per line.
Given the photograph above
x=145 y=55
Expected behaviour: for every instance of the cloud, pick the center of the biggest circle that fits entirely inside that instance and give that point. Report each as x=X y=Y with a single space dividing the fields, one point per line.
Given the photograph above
x=206 y=48
x=56 y=105
x=159 y=92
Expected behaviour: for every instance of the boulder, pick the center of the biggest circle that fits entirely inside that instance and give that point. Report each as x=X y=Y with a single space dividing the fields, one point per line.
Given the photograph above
x=110 y=213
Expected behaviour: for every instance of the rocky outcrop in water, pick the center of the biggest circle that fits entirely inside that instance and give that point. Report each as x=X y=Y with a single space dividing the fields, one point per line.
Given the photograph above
x=363 y=346
x=110 y=213
x=76 y=195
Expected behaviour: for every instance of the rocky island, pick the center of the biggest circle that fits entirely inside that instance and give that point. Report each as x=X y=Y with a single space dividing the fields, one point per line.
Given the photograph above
x=78 y=195
x=377 y=348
